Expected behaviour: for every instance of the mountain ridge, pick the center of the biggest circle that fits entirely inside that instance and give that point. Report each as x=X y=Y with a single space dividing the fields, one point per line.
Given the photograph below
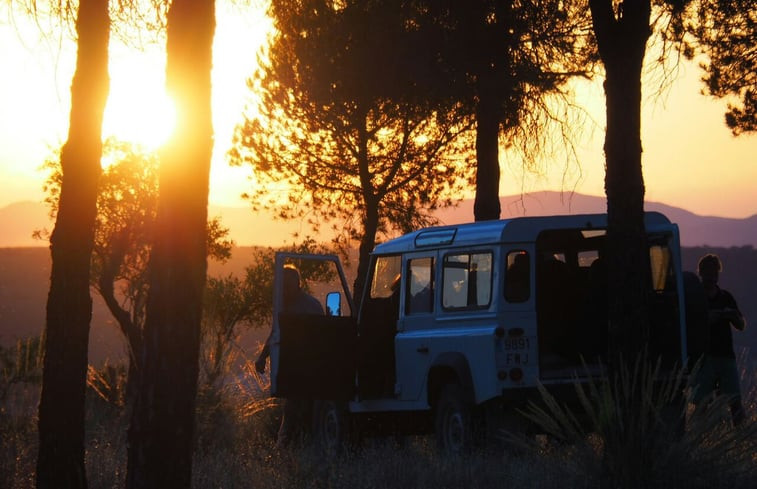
x=20 y=219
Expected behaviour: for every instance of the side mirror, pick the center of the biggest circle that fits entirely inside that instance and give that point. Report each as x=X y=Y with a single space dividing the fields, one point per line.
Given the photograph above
x=334 y=304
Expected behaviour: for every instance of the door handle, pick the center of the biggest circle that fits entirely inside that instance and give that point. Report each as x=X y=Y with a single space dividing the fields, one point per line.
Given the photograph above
x=422 y=349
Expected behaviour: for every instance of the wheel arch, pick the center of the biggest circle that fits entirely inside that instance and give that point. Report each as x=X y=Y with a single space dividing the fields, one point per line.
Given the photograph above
x=450 y=367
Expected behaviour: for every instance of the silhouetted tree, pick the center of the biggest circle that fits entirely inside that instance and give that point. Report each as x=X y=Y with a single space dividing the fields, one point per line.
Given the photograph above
x=508 y=62
x=341 y=128
x=162 y=425
x=622 y=30
x=726 y=32
x=124 y=226
x=60 y=461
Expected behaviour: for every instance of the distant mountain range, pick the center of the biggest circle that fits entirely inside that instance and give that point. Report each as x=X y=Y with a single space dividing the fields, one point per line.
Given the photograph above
x=19 y=220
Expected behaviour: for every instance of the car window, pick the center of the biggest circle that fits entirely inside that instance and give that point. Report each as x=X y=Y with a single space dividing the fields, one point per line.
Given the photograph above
x=518 y=276
x=386 y=276
x=420 y=290
x=467 y=281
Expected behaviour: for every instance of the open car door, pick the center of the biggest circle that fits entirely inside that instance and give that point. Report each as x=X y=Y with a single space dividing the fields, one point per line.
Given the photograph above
x=313 y=354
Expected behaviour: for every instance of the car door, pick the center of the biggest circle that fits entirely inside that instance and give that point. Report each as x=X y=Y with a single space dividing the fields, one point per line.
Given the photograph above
x=312 y=352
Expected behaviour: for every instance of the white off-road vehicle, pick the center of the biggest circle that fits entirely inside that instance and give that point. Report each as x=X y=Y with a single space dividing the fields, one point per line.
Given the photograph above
x=459 y=324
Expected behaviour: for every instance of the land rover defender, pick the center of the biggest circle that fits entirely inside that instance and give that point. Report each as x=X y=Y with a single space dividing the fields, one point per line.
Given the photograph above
x=459 y=324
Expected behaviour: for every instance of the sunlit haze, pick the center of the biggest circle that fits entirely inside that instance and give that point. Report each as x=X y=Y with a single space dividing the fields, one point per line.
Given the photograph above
x=690 y=158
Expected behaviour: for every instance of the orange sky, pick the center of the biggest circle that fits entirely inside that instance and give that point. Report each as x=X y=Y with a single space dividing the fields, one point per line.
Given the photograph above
x=690 y=158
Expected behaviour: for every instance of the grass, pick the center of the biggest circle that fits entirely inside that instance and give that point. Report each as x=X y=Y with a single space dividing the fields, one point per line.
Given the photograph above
x=236 y=427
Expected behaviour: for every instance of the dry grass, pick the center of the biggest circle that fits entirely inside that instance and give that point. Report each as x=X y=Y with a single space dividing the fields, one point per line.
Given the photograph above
x=235 y=449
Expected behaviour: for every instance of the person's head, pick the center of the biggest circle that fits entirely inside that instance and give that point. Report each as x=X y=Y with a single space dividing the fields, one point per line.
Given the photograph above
x=291 y=284
x=709 y=269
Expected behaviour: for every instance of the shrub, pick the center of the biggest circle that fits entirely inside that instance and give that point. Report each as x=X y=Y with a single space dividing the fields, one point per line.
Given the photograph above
x=634 y=432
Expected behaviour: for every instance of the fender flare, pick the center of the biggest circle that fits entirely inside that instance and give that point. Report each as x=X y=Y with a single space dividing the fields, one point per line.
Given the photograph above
x=450 y=367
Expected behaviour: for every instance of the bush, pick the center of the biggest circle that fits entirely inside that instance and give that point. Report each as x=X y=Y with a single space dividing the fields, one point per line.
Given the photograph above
x=635 y=434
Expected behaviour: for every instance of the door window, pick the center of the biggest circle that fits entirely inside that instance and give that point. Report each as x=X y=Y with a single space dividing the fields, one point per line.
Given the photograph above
x=467 y=281
x=420 y=290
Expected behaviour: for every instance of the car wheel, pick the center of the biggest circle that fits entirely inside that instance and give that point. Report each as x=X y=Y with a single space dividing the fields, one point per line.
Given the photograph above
x=330 y=425
x=453 y=423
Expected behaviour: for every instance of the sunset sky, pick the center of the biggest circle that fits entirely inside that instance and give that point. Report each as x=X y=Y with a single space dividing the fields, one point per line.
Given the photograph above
x=691 y=160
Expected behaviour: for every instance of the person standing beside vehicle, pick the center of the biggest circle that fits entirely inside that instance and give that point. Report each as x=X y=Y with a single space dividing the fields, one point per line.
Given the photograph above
x=296 y=301
x=719 y=369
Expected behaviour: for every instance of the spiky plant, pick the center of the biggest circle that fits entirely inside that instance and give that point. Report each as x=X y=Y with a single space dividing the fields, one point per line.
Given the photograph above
x=633 y=431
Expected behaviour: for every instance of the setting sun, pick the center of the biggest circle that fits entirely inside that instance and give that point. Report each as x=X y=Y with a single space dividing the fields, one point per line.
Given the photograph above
x=146 y=119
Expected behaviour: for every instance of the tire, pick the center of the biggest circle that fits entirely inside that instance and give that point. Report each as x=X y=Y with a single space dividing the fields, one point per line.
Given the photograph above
x=453 y=421
x=330 y=426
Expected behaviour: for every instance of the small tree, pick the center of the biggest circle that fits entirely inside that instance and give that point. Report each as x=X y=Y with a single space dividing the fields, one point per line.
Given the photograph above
x=124 y=227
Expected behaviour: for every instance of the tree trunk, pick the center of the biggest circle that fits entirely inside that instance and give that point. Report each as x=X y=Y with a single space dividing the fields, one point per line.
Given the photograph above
x=161 y=432
x=371 y=202
x=132 y=332
x=628 y=254
x=367 y=242
x=486 y=204
x=60 y=461
x=622 y=39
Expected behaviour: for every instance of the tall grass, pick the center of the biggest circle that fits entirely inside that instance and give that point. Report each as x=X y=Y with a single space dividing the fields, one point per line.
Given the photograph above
x=633 y=435
x=237 y=424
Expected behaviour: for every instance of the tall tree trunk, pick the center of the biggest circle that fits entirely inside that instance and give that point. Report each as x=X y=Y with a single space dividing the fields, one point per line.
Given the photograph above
x=367 y=242
x=486 y=205
x=60 y=461
x=622 y=39
x=161 y=432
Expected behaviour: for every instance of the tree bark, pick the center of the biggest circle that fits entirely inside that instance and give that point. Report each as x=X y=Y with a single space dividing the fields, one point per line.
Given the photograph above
x=486 y=205
x=131 y=331
x=162 y=427
x=621 y=39
x=60 y=460
x=371 y=205
x=367 y=242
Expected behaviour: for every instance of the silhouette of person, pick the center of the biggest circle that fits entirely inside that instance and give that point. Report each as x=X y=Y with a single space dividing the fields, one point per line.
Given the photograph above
x=517 y=279
x=719 y=368
x=296 y=301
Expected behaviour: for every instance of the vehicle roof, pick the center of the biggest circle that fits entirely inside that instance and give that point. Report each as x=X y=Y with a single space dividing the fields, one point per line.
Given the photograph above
x=516 y=230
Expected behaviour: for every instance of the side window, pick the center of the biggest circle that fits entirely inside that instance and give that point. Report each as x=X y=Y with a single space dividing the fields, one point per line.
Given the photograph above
x=386 y=276
x=467 y=281
x=587 y=258
x=420 y=289
x=659 y=259
x=518 y=276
